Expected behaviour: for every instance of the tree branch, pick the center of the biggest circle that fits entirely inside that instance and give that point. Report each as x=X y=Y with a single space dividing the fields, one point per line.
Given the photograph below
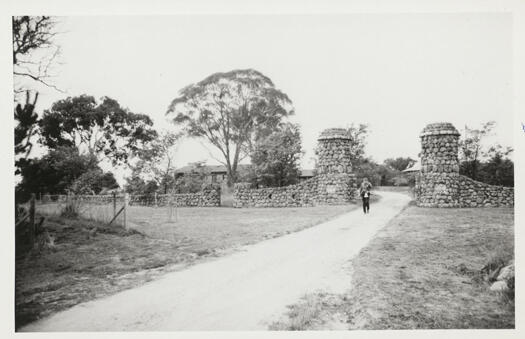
x=39 y=80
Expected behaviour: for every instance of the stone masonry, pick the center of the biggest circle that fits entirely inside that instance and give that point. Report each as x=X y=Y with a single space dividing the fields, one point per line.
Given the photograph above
x=209 y=196
x=333 y=185
x=439 y=183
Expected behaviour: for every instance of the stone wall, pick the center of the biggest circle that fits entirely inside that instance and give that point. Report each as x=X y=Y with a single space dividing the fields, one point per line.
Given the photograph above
x=210 y=196
x=477 y=194
x=439 y=183
x=333 y=185
x=320 y=190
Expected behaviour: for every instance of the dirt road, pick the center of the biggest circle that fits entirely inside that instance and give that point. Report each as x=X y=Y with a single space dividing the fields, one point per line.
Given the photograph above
x=243 y=291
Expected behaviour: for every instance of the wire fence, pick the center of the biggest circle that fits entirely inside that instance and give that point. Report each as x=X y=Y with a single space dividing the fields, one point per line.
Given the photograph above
x=153 y=215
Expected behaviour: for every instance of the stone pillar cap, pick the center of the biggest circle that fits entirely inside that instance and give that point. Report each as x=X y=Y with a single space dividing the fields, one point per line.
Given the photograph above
x=334 y=133
x=439 y=128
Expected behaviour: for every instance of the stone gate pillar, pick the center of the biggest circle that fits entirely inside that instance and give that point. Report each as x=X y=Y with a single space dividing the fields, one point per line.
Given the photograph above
x=336 y=183
x=437 y=185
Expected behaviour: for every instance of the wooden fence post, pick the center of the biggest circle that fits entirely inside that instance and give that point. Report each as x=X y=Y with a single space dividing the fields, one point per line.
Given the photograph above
x=126 y=200
x=114 y=204
x=32 y=229
x=156 y=199
x=170 y=208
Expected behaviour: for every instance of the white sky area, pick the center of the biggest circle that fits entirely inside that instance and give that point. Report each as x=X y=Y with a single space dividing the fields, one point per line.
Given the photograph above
x=395 y=72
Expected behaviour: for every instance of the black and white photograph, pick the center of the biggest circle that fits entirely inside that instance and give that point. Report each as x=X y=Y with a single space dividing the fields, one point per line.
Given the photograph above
x=303 y=170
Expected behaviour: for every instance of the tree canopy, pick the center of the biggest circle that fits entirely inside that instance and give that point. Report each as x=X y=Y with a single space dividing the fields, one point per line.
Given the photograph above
x=57 y=171
x=194 y=180
x=93 y=182
x=157 y=162
x=358 y=134
x=105 y=130
x=491 y=164
x=399 y=163
x=230 y=110
x=471 y=147
x=276 y=157
x=25 y=129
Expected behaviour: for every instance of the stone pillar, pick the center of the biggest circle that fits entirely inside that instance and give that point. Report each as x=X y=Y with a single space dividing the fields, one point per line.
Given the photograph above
x=336 y=183
x=333 y=151
x=437 y=185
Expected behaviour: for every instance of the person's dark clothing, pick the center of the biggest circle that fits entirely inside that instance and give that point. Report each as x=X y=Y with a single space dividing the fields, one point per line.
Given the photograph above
x=365 y=196
x=364 y=191
x=366 y=205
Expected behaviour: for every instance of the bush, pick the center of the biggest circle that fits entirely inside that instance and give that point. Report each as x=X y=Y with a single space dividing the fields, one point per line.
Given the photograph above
x=193 y=181
x=72 y=208
x=93 y=181
x=275 y=158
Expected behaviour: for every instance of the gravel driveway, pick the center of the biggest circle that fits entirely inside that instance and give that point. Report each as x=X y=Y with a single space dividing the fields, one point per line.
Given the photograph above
x=243 y=291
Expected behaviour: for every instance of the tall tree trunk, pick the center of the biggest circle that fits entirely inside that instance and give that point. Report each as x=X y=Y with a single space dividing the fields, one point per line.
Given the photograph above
x=233 y=172
x=229 y=173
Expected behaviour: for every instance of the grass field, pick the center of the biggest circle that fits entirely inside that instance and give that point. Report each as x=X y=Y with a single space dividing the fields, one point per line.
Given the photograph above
x=83 y=267
x=421 y=271
x=213 y=226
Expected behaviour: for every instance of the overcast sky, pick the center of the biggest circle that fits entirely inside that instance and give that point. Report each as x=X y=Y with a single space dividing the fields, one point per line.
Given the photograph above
x=395 y=72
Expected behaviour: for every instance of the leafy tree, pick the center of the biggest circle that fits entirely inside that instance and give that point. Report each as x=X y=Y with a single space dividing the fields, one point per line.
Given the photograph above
x=363 y=167
x=93 y=181
x=136 y=185
x=498 y=169
x=387 y=174
x=54 y=173
x=471 y=148
x=25 y=129
x=399 y=163
x=231 y=110
x=492 y=165
x=358 y=135
x=157 y=161
x=367 y=168
x=276 y=157
x=105 y=130
x=194 y=180
x=379 y=174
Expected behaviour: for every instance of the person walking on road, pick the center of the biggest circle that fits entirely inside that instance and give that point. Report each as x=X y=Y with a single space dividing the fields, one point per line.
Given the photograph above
x=364 y=192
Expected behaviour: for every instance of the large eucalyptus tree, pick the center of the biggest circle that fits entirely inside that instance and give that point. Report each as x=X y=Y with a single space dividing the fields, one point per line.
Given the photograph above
x=230 y=110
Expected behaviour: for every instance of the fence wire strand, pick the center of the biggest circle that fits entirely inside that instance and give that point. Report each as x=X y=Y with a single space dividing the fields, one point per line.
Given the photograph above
x=154 y=215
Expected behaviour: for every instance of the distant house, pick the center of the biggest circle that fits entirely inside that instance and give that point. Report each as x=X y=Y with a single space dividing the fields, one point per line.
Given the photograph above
x=217 y=174
x=306 y=174
x=416 y=167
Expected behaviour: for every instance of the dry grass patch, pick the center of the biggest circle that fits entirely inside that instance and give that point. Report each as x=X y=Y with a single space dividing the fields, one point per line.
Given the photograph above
x=86 y=264
x=221 y=227
x=315 y=311
x=423 y=271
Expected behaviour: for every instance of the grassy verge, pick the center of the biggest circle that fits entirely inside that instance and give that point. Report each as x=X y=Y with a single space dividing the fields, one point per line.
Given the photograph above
x=85 y=265
x=423 y=271
x=315 y=311
x=220 y=227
